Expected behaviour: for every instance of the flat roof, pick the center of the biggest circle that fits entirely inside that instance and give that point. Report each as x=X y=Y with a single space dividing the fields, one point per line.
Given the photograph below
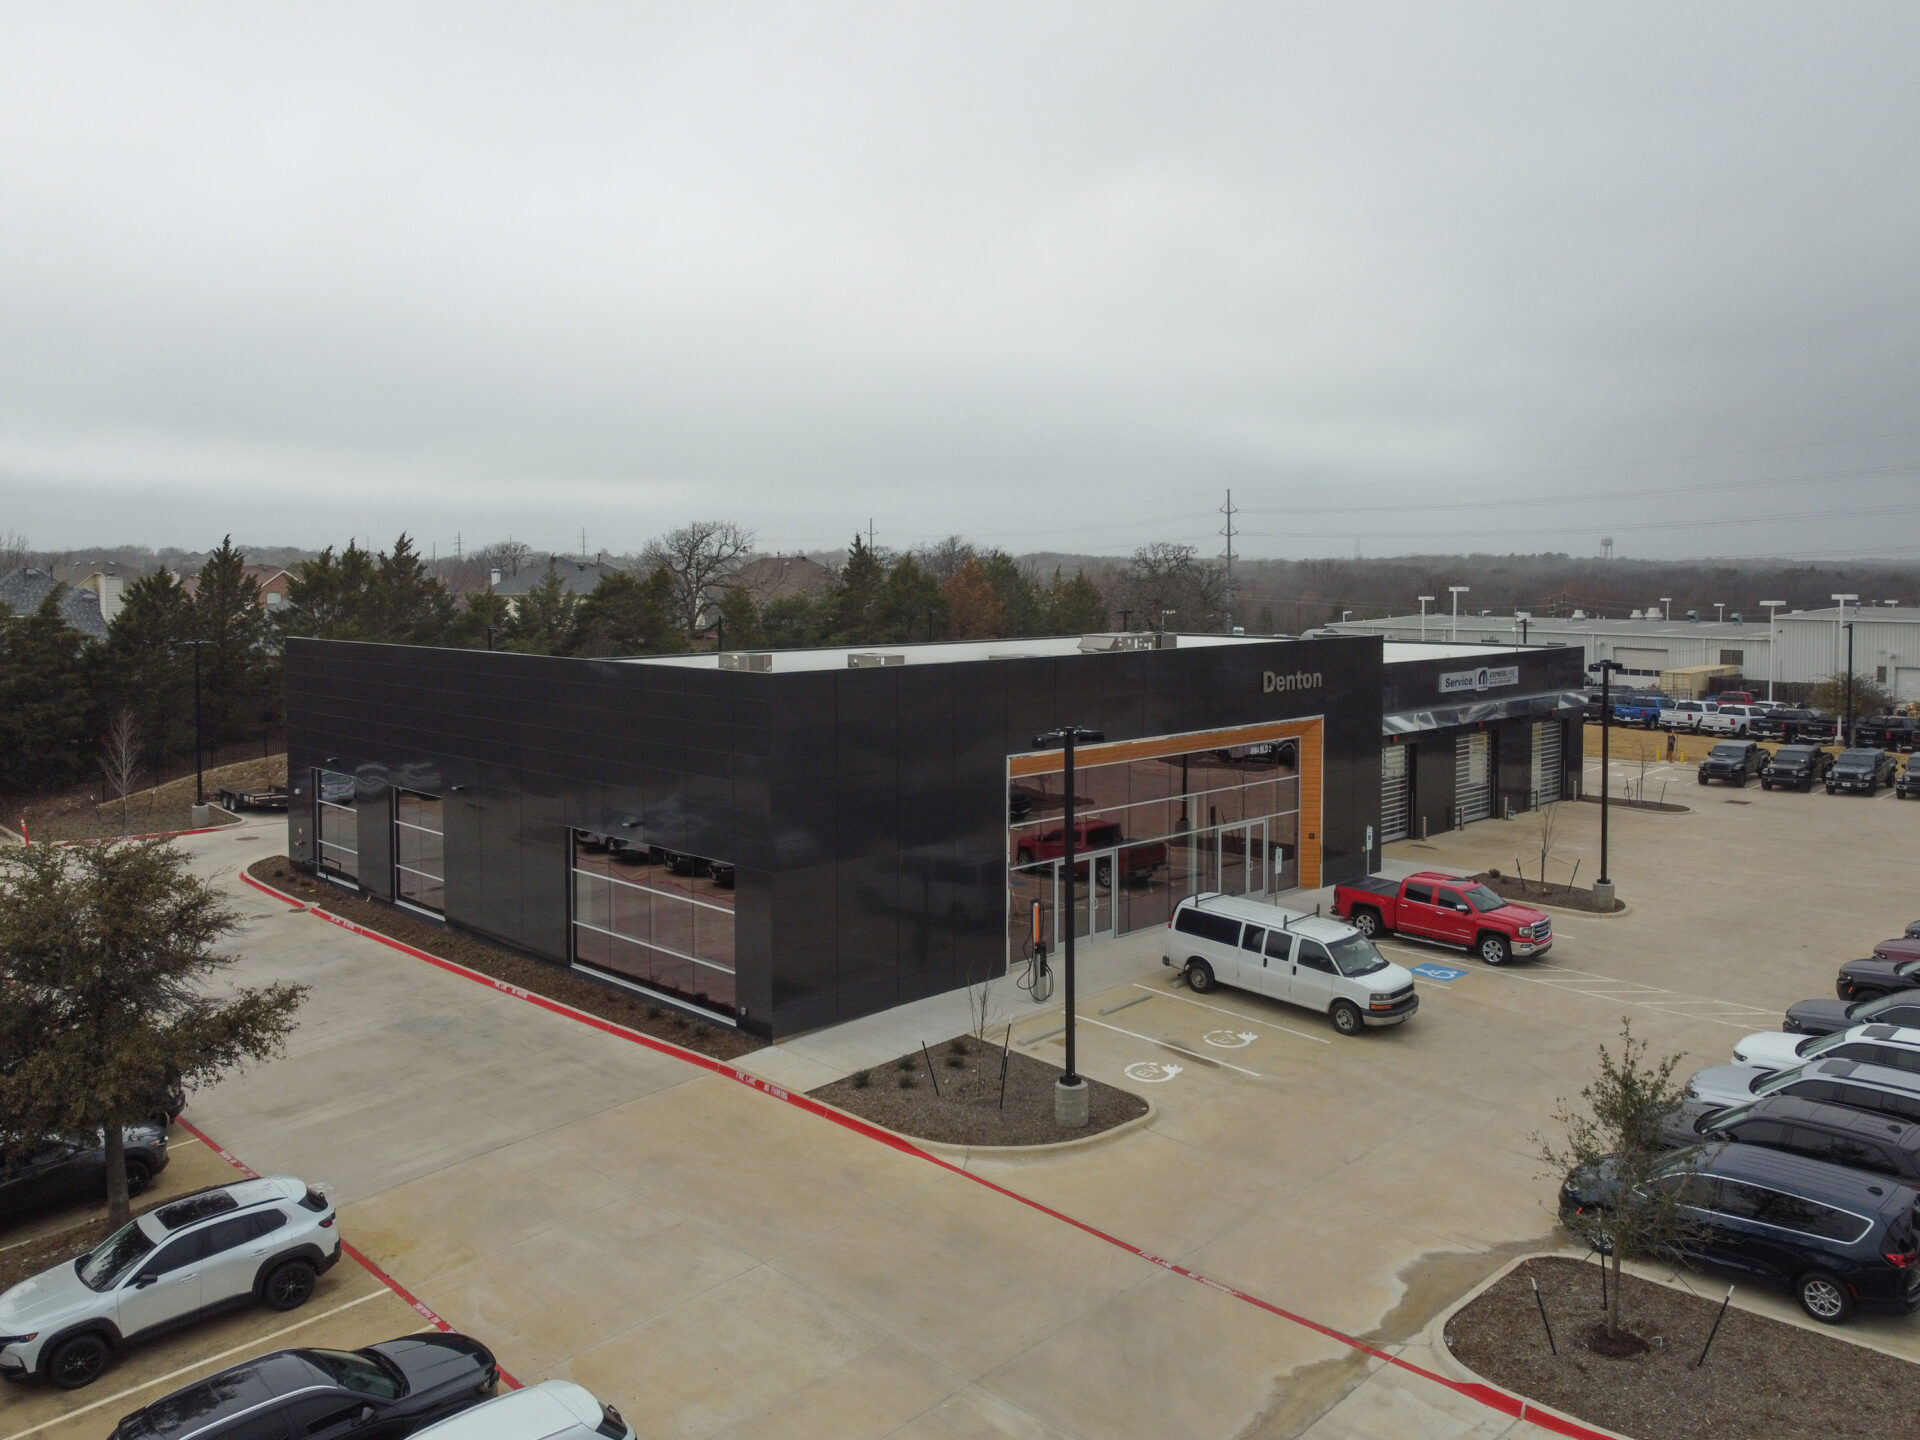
x=1561 y=625
x=946 y=652
x=1400 y=652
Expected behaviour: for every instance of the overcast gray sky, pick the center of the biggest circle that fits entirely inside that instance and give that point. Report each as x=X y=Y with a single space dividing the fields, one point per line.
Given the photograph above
x=1054 y=276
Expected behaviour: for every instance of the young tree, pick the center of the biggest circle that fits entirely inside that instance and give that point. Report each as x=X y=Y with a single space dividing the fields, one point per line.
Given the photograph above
x=120 y=760
x=698 y=557
x=1636 y=1189
x=106 y=952
x=1546 y=820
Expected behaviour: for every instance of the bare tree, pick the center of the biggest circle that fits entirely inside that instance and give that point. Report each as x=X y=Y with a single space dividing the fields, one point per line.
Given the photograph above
x=1546 y=820
x=1163 y=577
x=943 y=558
x=120 y=756
x=698 y=557
x=508 y=556
x=14 y=551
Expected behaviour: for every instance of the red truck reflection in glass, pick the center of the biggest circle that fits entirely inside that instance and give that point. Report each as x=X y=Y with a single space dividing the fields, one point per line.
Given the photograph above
x=1432 y=906
x=1091 y=835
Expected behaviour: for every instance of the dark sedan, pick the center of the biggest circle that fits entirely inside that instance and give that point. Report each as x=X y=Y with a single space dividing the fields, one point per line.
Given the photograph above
x=55 y=1171
x=1860 y=769
x=1823 y=1017
x=1797 y=766
x=386 y=1390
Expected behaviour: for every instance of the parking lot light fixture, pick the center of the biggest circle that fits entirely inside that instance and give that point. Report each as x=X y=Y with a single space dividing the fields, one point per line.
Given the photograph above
x=1773 y=608
x=1070 y=1092
x=1456 y=591
x=1603 y=887
x=1425 y=600
x=199 y=745
x=1666 y=609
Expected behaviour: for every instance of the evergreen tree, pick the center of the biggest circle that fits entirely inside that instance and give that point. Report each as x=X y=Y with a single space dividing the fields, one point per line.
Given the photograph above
x=138 y=668
x=853 y=605
x=628 y=615
x=793 y=622
x=1019 y=598
x=1074 y=607
x=542 y=619
x=45 y=739
x=409 y=606
x=740 y=627
x=911 y=608
x=328 y=597
x=239 y=671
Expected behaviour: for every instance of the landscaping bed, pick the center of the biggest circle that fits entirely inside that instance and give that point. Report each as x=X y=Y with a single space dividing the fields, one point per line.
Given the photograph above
x=966 y=1108
x=1660 y=807
x=83 y=815
x=1762 y=1377
x=1511 y=887
x=622 y=1007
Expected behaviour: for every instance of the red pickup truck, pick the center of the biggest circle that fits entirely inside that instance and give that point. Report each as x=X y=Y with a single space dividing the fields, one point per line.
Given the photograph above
x=1446 y=908
x=1088 y=835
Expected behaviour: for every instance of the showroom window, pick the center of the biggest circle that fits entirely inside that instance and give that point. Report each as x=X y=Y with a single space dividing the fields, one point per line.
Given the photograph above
x=336 y=825
x=660 y=918
x=419 y=851
x=1149 y=832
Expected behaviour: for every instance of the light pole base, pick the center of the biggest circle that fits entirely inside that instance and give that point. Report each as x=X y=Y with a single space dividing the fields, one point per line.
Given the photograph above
x=1603 y=895
x=1070 y=1103
x=202 y=816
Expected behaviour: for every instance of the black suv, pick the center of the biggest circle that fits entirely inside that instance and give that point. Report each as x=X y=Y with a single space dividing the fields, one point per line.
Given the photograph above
x=1734 y=761
x=1798 y=766
x=1888 y=732
x=1840 y=1240
x=1837 y=1134
x=35 y=1174
x=1796 y=726
x=1823 y=1017
x=1860 y=769
x=386 y=1390
x=1907 y=784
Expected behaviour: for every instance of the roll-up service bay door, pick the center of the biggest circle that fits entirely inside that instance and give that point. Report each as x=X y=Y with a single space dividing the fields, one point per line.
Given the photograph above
x=1546 y=761
x=1394 y=796
x=1472 y=778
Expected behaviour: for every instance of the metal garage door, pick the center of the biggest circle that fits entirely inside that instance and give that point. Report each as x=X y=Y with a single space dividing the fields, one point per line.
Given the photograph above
x=1640 y=662
x=1906 y=682
x=1393 y=794
x=1546 y=761
x=1472 y=782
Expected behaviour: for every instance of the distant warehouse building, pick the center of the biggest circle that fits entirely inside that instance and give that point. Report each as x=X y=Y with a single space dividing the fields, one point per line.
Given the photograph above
x=1799 y=647
x=782 y=840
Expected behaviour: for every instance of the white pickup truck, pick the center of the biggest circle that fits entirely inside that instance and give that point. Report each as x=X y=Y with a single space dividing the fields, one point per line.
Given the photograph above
x=1735 y=720
x=1687 y=715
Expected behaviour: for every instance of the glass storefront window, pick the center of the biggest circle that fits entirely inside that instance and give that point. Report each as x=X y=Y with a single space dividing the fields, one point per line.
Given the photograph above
x=419 y=850
x=336 y=825
x=1152 y=832
x=662 y=919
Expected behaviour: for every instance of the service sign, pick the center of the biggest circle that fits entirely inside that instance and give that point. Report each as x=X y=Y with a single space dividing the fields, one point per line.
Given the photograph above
x=1473 y=682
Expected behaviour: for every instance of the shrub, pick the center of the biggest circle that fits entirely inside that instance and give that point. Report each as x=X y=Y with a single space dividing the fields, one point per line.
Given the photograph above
x=905 y=1064
x=862 y=1079
x=908 y=1080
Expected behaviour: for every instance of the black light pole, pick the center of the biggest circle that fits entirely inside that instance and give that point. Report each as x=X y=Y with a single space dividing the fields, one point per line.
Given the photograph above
x=1604 y=896
x=1849 y=740
x=1070 y=1092
x=199 y=749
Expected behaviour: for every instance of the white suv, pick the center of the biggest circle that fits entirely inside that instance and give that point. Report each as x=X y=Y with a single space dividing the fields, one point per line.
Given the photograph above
x=266 y=1240
x=554 y=1410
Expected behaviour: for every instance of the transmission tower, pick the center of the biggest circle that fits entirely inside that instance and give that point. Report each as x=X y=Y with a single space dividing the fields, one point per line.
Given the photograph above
x=1228 y=531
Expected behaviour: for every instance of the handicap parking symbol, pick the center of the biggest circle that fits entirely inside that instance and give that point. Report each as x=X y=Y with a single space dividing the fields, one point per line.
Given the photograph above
x=1443 y=973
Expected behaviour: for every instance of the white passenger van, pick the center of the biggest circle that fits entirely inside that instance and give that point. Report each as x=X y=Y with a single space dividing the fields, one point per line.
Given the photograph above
x=1319 y=964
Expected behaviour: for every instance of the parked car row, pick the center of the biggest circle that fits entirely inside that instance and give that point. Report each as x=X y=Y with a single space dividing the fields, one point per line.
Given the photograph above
x=1799 y=1162
x=1860 y=770
x=265 y=1241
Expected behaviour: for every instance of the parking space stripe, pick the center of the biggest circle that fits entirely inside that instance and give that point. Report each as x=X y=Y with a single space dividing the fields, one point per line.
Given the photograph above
x=1479 y=1392
x=420 y=1306
x=1168 y=1044
x=187 y=1369
x=1236 y=1014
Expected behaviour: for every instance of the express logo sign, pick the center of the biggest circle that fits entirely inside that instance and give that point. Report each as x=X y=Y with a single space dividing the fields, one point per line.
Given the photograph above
x=1469 y=682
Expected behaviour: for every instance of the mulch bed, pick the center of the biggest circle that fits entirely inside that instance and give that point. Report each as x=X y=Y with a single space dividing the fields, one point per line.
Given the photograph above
x=966 y=1110
x=1762 y=1378
x=1660 y=807
x=607 y=1001
x=86 y=815
x=1510 y=887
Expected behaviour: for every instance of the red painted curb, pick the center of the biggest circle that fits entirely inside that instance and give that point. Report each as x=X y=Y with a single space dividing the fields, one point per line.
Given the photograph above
x=156 y=835
x=1487 y=1395
x=353 y=1252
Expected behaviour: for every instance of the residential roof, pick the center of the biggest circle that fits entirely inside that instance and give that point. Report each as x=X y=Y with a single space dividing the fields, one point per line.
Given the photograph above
x=780 y=577
x=577 y=577
x=23 y=591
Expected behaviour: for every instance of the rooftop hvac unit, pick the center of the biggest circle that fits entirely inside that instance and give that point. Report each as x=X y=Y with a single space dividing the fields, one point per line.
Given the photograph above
x=1122 y=640
x=759 y=660
x=1578 y=615
x=1633 y=615
x=870 y=661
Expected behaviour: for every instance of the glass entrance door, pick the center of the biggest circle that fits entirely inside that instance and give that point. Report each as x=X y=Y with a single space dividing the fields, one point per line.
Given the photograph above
x=1243 y=858
x=1095 y=894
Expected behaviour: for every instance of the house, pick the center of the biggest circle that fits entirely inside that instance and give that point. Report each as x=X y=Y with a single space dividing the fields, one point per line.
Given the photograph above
x=273 y=583
x=24 y=590
x=577 y=577
x=767 y=578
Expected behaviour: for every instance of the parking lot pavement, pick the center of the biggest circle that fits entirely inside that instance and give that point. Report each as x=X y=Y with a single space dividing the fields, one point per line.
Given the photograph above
x=719 y=1263
x=190 y=1166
